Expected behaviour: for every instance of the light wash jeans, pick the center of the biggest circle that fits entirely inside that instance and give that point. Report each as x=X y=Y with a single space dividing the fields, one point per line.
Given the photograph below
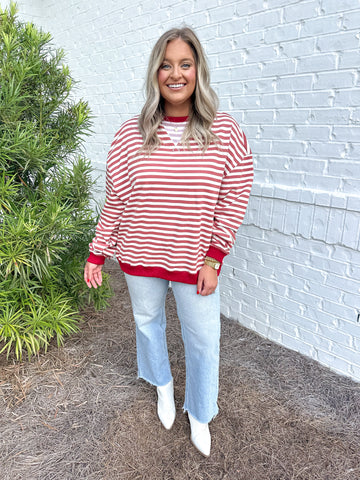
x=200 y=326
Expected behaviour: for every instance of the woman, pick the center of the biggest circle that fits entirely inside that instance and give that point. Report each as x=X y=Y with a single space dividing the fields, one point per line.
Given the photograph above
x=178 y=183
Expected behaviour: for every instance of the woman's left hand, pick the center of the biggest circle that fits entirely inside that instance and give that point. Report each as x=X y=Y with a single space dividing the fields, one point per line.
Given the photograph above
x=207 y=280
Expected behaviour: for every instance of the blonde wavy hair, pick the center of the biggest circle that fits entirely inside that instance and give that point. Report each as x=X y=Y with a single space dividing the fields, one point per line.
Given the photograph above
x=204 y=99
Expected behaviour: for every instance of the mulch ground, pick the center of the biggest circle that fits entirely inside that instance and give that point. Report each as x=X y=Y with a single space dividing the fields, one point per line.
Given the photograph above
x=79 y=412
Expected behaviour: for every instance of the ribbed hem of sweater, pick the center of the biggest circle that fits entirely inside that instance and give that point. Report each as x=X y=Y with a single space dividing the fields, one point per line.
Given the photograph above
x=158 y=272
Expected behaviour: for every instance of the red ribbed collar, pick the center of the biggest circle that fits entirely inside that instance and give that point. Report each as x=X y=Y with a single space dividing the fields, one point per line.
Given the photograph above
x=175 y=119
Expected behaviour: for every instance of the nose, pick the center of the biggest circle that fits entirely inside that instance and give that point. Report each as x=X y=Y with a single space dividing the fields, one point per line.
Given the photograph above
x=176 y=72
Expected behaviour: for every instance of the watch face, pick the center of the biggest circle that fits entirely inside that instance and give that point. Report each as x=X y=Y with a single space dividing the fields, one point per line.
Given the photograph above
x=217 y=266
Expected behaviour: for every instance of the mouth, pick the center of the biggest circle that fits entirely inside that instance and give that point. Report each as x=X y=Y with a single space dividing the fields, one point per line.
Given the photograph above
x=176 y=86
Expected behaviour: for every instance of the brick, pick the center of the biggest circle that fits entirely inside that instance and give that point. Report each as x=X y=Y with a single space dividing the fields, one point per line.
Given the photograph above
x=222 y=13
x=285 y=147
x=297 y=345
x=294 y=82
x=353 y=203
x=317 y=341
x=294 y=255
x=341 y=311
x=351 y=185
x=327 y=150
x=335 y=226
x=331 y=293
x=351 y=229
x=351 y=285
x=351 y=20
x=263 y=85
x=265 y=214
x=316 y=63
x=312 y=132
x=272 y=311
x=333 y=362
x=259 y=147
x=337 y=115
x=355 y=116
x=347 y=133
x=354 y=371
x=309 y=273
x=305 y=219
x=301 y=322
x=274 y=162
x=236 y=28
x=261 y=53
x=332 y=6
x=259 y=116
x=245 y=101
x=259 y=21
x=252 y=213
x=243 y=71
x=291 y=218
x=320 y=220
x=302 y=11
x=304 y=298
x=347 y=255
x=337 y=79
x=278 y=217
x=292 y=116
x=348 y=354
x=338 y=42
x=281 y=33
x=292 y=178
x=319 y=26
x=344 y=168
x=300 y=47
x=246 y=277
x=322 y=182
x=277 y=131
x=313 y=99
x=277 y=100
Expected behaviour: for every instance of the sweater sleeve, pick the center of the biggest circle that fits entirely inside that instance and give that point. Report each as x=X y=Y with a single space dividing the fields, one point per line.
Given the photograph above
x=117 y=192
x=234 y=194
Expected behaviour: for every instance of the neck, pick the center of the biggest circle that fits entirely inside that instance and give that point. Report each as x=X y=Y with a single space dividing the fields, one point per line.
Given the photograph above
x=177 y=110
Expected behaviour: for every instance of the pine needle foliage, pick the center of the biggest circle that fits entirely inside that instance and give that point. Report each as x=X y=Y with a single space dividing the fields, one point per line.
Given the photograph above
x=46 y=214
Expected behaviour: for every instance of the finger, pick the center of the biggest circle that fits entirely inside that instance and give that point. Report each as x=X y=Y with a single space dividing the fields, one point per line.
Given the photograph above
x=204 y=289
x=199 y=285
x=98 y=280
x=208 y=289
x=98 y=277
x=87 y=277
x=205 y=292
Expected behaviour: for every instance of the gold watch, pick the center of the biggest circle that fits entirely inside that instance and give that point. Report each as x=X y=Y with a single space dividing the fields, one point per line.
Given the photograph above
x=215 y=264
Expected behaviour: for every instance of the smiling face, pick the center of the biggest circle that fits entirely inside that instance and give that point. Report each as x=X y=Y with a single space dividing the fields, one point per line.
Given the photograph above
x=177 y=78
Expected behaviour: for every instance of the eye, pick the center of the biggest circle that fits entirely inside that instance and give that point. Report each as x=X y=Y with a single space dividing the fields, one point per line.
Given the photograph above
x=186 y=65
x=165 y=66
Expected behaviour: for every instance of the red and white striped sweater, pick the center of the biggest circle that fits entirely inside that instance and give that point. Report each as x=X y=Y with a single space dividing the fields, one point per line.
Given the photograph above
x=165 y=212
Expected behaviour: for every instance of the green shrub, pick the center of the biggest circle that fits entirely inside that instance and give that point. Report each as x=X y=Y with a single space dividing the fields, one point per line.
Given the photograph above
x=46 y=219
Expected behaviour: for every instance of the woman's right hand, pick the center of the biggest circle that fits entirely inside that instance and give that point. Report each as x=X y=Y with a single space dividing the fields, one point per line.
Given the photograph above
x=92 y=275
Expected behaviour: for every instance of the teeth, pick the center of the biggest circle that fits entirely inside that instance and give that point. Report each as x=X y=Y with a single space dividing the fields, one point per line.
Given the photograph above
x=176 y=85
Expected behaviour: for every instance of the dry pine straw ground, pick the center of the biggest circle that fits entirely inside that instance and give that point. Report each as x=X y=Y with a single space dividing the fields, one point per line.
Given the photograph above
x=80 y=413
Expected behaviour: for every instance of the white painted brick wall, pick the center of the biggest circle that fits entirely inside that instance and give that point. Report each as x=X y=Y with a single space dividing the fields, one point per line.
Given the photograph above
x=289 y=73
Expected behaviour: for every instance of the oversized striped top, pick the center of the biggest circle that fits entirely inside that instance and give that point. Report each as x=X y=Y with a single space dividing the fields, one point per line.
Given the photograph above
x=166 y=211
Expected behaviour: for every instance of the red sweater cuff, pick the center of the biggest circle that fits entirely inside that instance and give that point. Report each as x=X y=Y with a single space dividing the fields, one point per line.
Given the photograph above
x=96 y=259
x=216 y=253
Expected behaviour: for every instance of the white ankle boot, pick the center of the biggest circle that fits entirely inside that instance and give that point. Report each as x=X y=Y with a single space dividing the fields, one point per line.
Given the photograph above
x=200 y=436
x=166 y=405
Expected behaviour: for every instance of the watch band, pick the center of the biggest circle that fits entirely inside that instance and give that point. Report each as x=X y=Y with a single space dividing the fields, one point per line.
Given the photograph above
x=212 y=262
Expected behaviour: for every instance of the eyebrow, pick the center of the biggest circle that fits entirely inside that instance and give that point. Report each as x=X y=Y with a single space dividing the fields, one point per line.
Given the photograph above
x=182 y=60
